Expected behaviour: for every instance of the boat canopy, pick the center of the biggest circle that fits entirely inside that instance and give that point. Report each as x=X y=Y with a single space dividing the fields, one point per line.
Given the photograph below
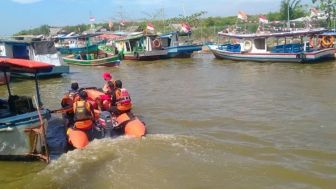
x=280 y=34
x=24 y=66
x=136 y=35
x=76 y=36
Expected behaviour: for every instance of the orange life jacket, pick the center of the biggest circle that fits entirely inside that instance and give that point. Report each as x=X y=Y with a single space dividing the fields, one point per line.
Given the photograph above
x=123 y=100
x=82 y=110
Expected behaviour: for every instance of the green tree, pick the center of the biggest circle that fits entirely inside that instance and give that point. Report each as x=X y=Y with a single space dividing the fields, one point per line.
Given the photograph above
x=328 y=6
x=293 y=7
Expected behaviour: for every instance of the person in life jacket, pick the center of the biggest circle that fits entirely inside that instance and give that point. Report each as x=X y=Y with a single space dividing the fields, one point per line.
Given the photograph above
x=108 y=80
x=121 y=100
x=104 y=101
x=83 y=112
x=68 y=100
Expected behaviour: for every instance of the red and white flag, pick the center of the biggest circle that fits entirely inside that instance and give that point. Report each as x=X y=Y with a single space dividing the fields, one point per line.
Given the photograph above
x=186 y=27
x=150 y=26
x=242 y=15
x=92 y=19
x=263 y=19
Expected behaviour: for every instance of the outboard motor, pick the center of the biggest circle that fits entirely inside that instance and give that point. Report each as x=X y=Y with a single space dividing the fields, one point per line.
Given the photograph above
x=107 y=123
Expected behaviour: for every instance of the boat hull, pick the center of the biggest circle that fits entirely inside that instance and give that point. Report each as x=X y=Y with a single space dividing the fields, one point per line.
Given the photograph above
x=146 y=55
x=109 y=61
x=184 y=51
x=55 y=72
x=21 y=137
x=304 y=57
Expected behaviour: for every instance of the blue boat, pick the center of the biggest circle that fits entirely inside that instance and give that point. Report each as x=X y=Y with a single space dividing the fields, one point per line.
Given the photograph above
x=22 y=122
x=76 y=44
x=176 y=48
x=273 y=47
x=36 y=50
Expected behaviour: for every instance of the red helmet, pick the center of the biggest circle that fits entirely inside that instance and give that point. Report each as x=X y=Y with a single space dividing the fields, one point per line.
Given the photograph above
x=107 y=76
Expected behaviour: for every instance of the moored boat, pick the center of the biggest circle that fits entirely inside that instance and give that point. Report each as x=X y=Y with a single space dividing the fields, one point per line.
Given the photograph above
x=36 y=50
x=140 y=46
x=73 y=44
x=255 y=47
x=176 y=48
x=91 y=60
x=23 y=123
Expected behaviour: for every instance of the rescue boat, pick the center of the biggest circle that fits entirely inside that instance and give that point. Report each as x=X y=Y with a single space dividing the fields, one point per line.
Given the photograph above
x=106 y=124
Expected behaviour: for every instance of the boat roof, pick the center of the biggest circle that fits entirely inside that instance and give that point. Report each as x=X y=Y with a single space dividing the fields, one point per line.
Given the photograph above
x=135 y=35
x=333 y=33
x=24 y=66
x=77 y=36
x=280 y=34
x=170 y=34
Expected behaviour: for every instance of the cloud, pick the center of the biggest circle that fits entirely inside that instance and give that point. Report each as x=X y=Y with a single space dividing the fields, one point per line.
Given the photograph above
x=26 y=1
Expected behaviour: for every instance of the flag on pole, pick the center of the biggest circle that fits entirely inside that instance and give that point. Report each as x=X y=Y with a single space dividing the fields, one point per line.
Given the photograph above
x=92 y=18
x=186 y=27
x=263 y=19
x=150 y=26
x=242 y=15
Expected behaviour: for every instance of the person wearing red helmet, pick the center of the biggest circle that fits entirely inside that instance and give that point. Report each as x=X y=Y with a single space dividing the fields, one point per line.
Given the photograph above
x=109 y=83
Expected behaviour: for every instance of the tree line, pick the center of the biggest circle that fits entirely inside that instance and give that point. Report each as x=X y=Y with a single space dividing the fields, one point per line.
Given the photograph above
x=289 y=9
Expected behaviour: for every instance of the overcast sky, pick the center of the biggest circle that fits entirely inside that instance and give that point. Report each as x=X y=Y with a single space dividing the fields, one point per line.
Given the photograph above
x=26 y=14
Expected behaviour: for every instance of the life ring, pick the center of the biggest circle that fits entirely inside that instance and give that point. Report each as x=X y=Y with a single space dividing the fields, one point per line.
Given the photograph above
x=327 y=41
x=157 y=43
x=247 y=45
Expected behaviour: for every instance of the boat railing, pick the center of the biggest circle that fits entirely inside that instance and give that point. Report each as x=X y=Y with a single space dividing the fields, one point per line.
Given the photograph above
x=288 y=48
x=230 y=47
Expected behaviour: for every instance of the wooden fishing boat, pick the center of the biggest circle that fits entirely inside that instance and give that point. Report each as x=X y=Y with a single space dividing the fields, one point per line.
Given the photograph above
x=23 y=124
x=36 y=50
x=176 y=48
x=140 y=46
x=103 y=59
x=75 y=44
x=260 y=47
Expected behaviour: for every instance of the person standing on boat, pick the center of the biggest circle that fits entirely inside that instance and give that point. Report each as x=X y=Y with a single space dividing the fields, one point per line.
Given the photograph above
x=83 y=112
x=121 y=100
x=108 y=78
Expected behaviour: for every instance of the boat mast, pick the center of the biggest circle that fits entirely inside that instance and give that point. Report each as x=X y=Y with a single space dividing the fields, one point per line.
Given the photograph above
x=37 y=91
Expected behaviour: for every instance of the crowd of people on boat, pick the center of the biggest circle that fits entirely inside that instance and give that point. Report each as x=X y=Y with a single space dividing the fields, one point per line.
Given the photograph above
x=80 y=108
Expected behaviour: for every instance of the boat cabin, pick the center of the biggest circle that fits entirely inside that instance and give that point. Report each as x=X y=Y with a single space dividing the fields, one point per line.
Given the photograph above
x=138 y=42
x=31 y=49
x=285 y=42
x=21 y=119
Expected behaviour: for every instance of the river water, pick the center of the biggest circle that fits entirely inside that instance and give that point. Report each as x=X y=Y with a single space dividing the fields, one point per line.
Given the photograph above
x=211 y=124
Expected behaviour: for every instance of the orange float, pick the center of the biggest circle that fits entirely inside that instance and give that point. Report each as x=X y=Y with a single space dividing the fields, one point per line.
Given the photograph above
x=77 y=138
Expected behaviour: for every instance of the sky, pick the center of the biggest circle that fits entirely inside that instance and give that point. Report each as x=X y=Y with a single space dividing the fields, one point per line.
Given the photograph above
x=27 y=14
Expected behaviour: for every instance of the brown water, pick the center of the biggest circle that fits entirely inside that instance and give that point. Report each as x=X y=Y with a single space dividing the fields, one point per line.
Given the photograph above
x=211 y=124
